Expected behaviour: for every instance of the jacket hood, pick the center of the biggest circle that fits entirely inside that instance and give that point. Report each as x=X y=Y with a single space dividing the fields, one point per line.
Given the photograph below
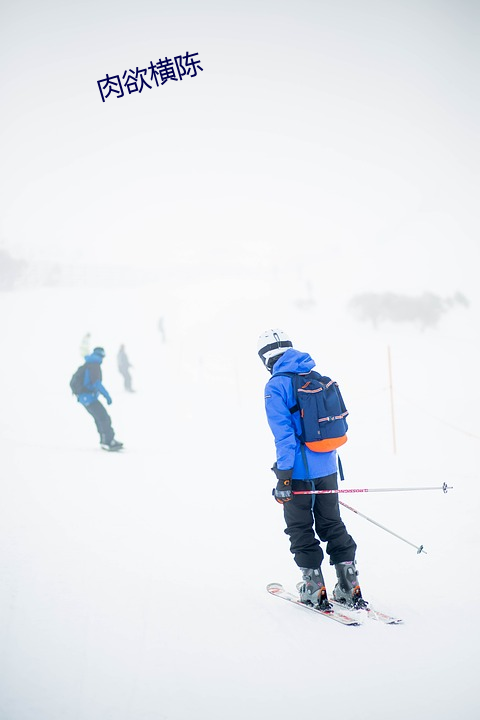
x=93 y=358
x=293 y=361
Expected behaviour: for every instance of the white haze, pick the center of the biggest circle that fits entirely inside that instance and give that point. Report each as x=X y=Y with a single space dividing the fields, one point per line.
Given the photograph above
x=346 y=129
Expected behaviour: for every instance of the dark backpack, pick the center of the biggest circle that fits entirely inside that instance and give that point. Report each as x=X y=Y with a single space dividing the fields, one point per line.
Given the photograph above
x=77 y=382
x=322 y=411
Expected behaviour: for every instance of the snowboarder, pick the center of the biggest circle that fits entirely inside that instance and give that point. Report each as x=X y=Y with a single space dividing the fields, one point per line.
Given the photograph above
x=88 y=397
x=123 y=364
x=309 y=518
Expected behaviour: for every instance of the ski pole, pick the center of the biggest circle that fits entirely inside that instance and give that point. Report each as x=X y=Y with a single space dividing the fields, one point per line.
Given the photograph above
x=419 y=548
x=443 y=487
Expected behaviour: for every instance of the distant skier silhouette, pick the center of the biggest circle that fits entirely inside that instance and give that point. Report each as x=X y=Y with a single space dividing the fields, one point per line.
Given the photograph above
x=161 y=329
x=124 y=366
x=85 y=345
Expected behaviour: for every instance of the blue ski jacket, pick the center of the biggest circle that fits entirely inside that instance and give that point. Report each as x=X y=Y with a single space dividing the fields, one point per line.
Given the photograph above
x=93 y=381
x=285 y=426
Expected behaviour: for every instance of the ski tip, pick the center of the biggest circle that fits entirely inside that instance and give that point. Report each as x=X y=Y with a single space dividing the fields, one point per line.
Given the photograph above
x=274 y=587
x=383 y=617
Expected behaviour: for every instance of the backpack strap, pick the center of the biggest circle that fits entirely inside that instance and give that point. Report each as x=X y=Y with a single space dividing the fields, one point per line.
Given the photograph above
x=304 y=458
x=293 y=377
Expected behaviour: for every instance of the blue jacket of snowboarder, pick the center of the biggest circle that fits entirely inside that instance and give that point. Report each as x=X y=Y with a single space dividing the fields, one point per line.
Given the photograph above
x=93 y=381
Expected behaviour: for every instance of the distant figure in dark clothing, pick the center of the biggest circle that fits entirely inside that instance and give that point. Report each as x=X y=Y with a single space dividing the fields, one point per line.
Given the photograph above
x=92 y=388
x=123 y=366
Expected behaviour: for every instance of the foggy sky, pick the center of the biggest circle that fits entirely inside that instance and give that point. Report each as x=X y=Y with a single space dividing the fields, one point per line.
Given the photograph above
x=348 y=129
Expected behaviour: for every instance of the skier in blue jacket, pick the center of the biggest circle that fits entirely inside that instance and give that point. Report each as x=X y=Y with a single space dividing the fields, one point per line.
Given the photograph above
x=309 y=518
x=93 y=387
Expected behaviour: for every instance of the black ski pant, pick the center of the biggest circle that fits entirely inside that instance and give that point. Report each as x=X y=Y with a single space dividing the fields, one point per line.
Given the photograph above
x=310 y=517
x=102 y=421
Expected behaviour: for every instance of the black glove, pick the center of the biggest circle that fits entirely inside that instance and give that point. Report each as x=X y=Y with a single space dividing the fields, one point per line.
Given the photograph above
x=283 y=492
x=282 y=474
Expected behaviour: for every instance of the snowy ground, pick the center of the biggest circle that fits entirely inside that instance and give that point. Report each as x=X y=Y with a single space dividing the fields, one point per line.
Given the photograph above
x=133 y=585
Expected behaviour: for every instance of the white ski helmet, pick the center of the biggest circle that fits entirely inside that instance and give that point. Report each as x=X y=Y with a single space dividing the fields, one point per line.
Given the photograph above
x=271 y=344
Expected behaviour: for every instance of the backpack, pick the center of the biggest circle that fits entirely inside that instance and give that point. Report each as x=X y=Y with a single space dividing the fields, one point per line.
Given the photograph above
x=322 y=411
x=78 y=378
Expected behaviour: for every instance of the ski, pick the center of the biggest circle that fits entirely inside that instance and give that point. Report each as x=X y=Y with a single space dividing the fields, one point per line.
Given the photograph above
x=371 y=613
x=337 y=614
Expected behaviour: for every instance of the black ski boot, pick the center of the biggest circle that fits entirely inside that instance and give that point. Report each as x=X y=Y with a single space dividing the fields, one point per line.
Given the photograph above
x=347 y=590
x=312 y=589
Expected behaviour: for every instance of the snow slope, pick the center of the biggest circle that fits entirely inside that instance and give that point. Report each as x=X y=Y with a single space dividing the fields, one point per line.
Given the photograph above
x=133 y=585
